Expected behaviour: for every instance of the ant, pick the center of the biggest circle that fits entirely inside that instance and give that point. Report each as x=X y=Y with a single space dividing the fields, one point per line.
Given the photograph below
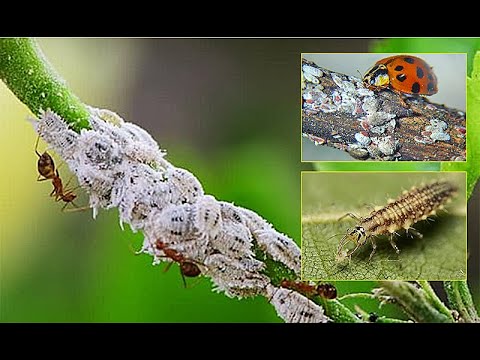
x=47 y=171
x=187 y=267
x=326 y=291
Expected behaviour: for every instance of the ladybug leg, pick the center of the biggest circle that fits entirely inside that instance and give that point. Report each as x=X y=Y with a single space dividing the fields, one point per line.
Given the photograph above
x=401 y=98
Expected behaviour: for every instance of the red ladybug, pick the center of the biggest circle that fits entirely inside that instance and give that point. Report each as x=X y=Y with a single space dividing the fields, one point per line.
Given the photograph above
x=402 y=73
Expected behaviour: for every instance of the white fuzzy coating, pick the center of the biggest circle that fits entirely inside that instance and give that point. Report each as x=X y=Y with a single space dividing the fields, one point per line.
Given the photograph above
x=311 y=78
x=362 y=139
x=293 y=307
x=234 y=240
x=207 y=219
x=312 y=70
x=120 y=165
x=237 y=277
x=280 y=247
x=171 y=224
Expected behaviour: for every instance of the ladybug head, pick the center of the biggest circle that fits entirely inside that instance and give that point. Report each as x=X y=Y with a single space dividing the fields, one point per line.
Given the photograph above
x=376 y=77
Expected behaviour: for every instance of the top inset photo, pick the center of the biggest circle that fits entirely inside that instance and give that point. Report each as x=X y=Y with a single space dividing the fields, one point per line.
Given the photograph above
x=383 y=107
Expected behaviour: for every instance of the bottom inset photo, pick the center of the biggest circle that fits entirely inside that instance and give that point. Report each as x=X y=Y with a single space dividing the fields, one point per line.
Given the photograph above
x=384 y=226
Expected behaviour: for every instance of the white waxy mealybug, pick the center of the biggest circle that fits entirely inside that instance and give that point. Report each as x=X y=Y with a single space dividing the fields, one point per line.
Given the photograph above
x=184 y=186
x=412 y=206
x=363 y=139
x=293 y=307
x=312 y=70
x=234 y=239
x=206 y=216
x=253 y=220
x=171 y=224
x=337 y=80
x=231 y=212
x=235 y=277
x=280 y=247
x=311 y=78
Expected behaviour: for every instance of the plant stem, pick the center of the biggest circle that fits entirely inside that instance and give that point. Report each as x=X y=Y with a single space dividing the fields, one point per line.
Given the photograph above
x=460 y=299
x=439 y=305
x=414 y=302
x=29 y=75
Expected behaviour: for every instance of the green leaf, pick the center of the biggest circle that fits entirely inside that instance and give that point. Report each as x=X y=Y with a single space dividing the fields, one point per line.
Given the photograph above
x=327 y=196
x=473 y=130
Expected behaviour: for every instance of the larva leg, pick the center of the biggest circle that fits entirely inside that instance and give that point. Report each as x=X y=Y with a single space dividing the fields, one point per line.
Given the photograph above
x=353 y=216
x=374 y=248
x=416 y=232
x=397 y=250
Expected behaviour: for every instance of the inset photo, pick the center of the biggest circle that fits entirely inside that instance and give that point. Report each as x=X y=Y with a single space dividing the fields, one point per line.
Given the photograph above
x=384 y=226
x=383 y=107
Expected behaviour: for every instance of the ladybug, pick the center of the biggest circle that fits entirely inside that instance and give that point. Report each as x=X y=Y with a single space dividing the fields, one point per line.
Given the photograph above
x=402 y=73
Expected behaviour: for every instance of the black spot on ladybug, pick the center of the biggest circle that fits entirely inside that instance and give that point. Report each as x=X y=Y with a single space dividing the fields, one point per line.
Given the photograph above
x=409 y=60
x=419 y=72
x=401 y=77
x=430 y=77
x=415 y=88
x=399 y=68
x=430 y=87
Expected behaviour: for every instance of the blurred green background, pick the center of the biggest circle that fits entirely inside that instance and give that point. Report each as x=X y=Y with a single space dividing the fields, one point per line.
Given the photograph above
x=226 y=109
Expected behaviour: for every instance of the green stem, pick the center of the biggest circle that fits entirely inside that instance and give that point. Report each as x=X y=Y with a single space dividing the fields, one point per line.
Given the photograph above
x=29 y=75
x=460 y=299
x=414 y=302
x=338 y=312
x=434 y=299
x=357 y=296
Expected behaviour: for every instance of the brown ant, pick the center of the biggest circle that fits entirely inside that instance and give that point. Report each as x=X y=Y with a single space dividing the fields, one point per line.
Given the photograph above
x=187 y=267
x=47 y=171
x=326 y=291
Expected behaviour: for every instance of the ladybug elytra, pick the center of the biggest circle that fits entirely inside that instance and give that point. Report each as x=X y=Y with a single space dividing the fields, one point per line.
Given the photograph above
x=402 y=73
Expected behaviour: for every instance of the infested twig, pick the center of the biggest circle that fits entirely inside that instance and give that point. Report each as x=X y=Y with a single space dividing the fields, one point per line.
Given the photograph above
x=120 y=165
x=338 y=111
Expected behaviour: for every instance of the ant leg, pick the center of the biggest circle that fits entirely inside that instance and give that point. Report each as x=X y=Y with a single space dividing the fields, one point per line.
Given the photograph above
x=169 y=265
x=183 y=278
x=68 y=183
x=77 y=208
x=350 y=215
x=397 y=250
x=374 y=248
x=36 y=146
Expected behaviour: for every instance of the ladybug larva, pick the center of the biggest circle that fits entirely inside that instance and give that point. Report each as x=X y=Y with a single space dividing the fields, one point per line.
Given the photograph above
x=403 y=73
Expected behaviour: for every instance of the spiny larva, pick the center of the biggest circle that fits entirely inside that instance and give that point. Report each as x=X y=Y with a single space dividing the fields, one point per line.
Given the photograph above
x=409 y=208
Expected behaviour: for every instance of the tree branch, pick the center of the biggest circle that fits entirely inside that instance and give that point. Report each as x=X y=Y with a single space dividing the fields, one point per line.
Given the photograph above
x=338 y=111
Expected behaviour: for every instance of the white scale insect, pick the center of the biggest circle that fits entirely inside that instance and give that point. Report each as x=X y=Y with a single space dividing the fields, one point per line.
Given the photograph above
x=169 y=204
x=184 y=186
x=236 y=278
x=233 y=240
x=206 y=216
x=280 y=247
x=293 y=307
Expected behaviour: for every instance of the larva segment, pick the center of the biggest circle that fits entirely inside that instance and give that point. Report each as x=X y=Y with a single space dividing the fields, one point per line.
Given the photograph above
x=409 y=208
